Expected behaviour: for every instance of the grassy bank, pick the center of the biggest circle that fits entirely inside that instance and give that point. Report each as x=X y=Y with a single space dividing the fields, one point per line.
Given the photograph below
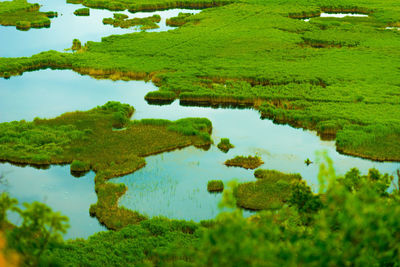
x=24 y=15
x=88 y=141
x=328 y=74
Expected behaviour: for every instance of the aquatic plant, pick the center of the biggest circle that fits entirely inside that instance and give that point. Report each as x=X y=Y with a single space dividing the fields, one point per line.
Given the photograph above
x=224 y=145
x=249 y=162
x=215 y=186
x=82 y=12
x=122 y=21
x=24 y=15
x=270 y=191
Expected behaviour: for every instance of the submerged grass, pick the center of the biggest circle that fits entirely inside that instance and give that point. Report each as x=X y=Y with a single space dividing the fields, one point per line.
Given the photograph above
x=270 y=191
x=328 y=75
x=88 y=142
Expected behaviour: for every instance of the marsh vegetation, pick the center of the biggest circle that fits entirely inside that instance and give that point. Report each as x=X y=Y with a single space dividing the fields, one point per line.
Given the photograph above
x=24 y=15
x=249 y=162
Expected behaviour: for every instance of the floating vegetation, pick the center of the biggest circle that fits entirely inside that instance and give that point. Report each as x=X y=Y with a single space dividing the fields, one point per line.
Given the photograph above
x=248 y=162
x=82 y=12
x=215 y=186
x=24 y=15
x=179 y=20
x=122 y=21
x=224 y=145
x=270 y=191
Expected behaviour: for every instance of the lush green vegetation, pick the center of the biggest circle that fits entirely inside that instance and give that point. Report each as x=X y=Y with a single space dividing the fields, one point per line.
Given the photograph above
x=256 y=53
x=82 y=12
x=215 y=186
x=24 y=15
x=39 y=229
x=224 y=145
x=148 y=5
x=356 y=224
x=271 y=191
x=249 y=162
x=178 y=20
x=122 y=21
x=75 y=137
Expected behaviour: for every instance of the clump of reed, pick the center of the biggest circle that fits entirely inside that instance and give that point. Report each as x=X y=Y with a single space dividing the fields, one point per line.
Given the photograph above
x=249 y=162
x=224 y=145
x=215 y=186
x=82 y=12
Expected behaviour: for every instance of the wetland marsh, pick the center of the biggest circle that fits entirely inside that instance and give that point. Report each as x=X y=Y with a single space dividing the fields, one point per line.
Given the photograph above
x=160 y=104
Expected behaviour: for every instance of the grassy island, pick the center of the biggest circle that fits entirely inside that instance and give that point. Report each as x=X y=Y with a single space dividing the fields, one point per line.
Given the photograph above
x=271 y=191
x=224 y=145
x=24 y=15
x=122 y=21
x=82 y=12
x=87 y=141
x=215 y=186
x=338 y=76
x=248 y=162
